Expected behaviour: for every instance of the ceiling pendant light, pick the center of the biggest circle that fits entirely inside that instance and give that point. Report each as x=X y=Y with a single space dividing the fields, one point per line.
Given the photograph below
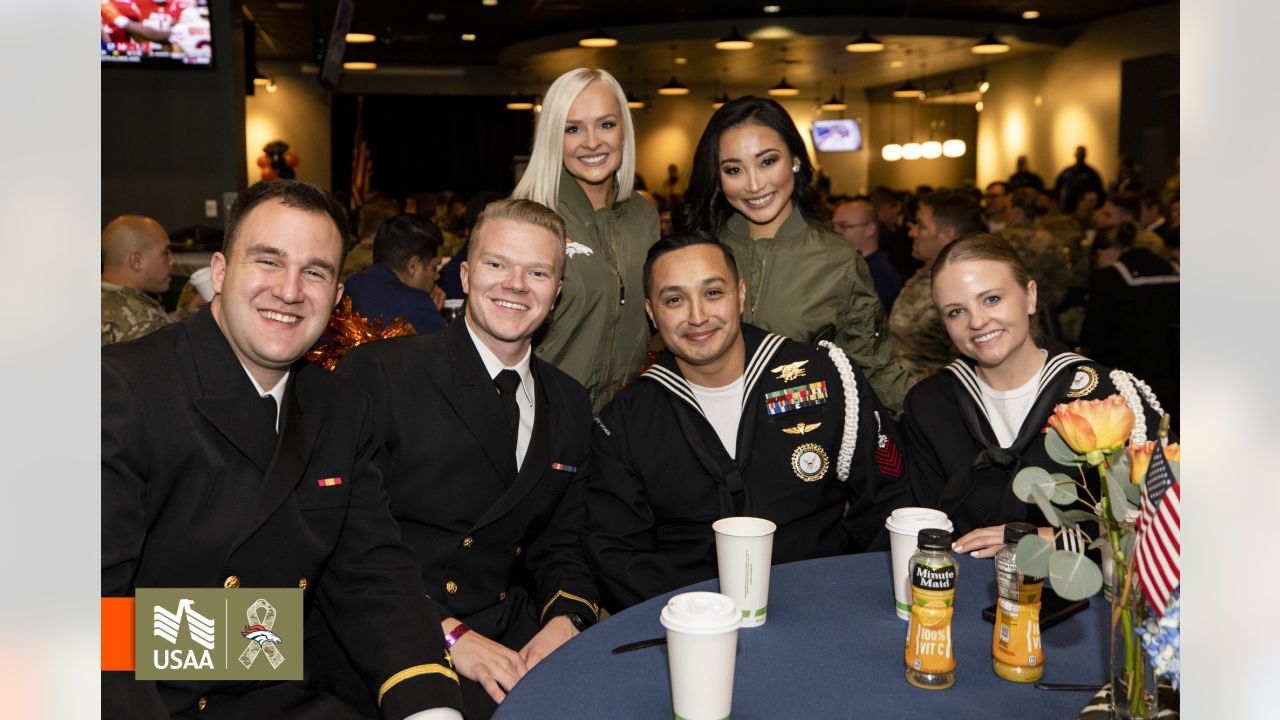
x=734 y=41
x=360 y=38
x=784 y=89
x=673 y=87
x=520 y=103
x=911 y=151
x=989 y=45
x=893 y=151
x=953 y=147
x=931 y=150
x=864 y=43
x=719 y=101
x=635 y=103
x=908 y=90
x=835 y=104
x=598 y=39
x=359 y=65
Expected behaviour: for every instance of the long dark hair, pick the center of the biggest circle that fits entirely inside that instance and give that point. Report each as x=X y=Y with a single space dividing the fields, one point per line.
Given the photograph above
x=705 y=207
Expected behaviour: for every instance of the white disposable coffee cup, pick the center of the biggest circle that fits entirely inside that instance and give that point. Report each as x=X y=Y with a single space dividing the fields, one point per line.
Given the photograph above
x=702 y=645
x=202 y=280
x=904 y=526
x=744 y=551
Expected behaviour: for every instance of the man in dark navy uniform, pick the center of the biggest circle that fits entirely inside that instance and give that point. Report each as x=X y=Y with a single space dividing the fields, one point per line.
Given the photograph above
x=731 y=420
x=484 y=449
x=228 y=461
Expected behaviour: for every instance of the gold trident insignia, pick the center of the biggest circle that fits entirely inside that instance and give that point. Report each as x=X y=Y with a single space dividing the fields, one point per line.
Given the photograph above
x=790 y=371
x=802 y=428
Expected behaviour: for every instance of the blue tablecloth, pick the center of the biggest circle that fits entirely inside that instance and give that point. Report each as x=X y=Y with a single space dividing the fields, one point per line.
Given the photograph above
x=831 y=648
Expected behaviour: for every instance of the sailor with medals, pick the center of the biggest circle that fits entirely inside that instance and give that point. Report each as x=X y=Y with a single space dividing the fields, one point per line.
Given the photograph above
x=975 y=423
x=731 y=420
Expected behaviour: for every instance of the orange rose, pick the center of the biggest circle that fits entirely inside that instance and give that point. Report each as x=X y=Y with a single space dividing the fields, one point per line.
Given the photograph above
x=1093 y=427
x=1140 y=460
x=1140 y=457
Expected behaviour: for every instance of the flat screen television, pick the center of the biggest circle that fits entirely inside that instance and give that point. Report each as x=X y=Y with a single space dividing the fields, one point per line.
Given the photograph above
x=156 y=33
x=836 y=135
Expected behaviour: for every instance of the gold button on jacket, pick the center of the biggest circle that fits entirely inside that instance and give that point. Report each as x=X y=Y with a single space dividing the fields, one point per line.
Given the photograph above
x=302 y=583
x=231 y=582
x=201 y=703
x=468 y=541
x=451 y=587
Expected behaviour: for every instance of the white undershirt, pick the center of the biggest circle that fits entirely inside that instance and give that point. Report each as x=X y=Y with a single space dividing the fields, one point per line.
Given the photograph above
x=524 y=393
x=1007 y=409
x=723 y=408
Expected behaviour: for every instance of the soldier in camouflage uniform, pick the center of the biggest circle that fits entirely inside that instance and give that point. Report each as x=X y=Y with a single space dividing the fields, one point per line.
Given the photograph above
x=136 y=260
x=920 y=342
x=1043 y=254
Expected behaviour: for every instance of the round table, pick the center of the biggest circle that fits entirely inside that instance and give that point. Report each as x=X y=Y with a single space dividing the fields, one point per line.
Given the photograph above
x=832 y=648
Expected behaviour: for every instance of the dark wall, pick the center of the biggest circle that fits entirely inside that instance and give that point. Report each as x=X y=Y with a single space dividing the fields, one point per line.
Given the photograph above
x=429 y=143
x=1149 y=123
x=173 y=138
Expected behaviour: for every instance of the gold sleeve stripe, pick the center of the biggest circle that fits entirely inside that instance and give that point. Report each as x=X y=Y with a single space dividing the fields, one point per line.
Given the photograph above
x=414 y=671
x=595 y=609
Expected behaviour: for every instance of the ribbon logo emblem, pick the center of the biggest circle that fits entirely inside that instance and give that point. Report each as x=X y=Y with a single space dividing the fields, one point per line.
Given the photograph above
x=261 y=639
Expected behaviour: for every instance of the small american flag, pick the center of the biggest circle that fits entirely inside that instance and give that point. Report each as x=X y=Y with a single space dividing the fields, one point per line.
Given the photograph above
x=361 y=161
x=1157 y=555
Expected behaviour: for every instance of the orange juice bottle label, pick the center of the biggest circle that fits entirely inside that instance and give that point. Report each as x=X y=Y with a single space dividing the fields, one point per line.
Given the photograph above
x=1016 y=640
x=933 y=591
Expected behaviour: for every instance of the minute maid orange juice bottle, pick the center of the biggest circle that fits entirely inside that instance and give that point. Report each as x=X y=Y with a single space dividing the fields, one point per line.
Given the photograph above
x=1016 y=653
x=931 y=663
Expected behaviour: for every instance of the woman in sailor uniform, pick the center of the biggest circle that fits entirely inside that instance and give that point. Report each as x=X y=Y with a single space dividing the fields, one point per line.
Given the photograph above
x=973 y=425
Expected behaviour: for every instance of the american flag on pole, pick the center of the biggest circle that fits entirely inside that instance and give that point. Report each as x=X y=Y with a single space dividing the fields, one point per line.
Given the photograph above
x=1157 y=554
x=361 y=161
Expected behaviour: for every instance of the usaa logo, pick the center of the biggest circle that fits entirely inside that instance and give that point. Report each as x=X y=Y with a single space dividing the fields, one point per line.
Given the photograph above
x=167 y=625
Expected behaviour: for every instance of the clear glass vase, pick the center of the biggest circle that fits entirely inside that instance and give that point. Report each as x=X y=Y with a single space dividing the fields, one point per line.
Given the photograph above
x=1133 y=681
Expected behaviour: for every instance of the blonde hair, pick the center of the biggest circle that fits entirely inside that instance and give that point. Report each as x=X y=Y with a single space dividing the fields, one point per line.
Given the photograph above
x=523 y=211
x=541 y=180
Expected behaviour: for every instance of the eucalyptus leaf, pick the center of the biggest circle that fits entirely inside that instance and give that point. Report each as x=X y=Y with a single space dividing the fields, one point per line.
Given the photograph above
x=1121 y=465
x=1046 y=508
x=1098 y=542
x=1074 y=576
x=1029 y=477
x=1033 y=555
x=1133 y=495
x=1126 y=544
x=1059 y=451
x=1064 y=519
x=1081 y=516
x=1064 y=489
x=1116 y=495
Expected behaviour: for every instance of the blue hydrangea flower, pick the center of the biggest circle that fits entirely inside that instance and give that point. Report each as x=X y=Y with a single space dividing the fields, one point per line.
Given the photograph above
x=1161 y=640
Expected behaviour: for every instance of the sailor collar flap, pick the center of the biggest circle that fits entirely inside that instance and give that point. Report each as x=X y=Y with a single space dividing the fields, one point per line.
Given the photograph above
x=1054 y=368
x=761 y=347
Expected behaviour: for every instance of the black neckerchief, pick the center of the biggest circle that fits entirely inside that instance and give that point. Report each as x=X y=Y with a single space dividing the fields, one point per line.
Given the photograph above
x=760 y=349
x=1053 y=384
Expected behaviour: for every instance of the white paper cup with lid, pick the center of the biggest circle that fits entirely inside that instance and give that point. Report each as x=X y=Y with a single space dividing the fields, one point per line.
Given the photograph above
x=702 y=645
x=904 y=525
x=744 y=552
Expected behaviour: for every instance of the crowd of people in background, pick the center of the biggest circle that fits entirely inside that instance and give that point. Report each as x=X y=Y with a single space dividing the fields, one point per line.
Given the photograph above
x=631 y=365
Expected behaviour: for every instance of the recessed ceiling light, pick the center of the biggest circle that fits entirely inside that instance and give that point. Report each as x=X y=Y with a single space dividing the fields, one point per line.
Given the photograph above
x=358 y=38
x=359 y=65
x=598 y=39
x=1030 y=14
x=489 y=3
x=896 y=64
x=468 y=37
x=771 y=9
x=682 y=61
